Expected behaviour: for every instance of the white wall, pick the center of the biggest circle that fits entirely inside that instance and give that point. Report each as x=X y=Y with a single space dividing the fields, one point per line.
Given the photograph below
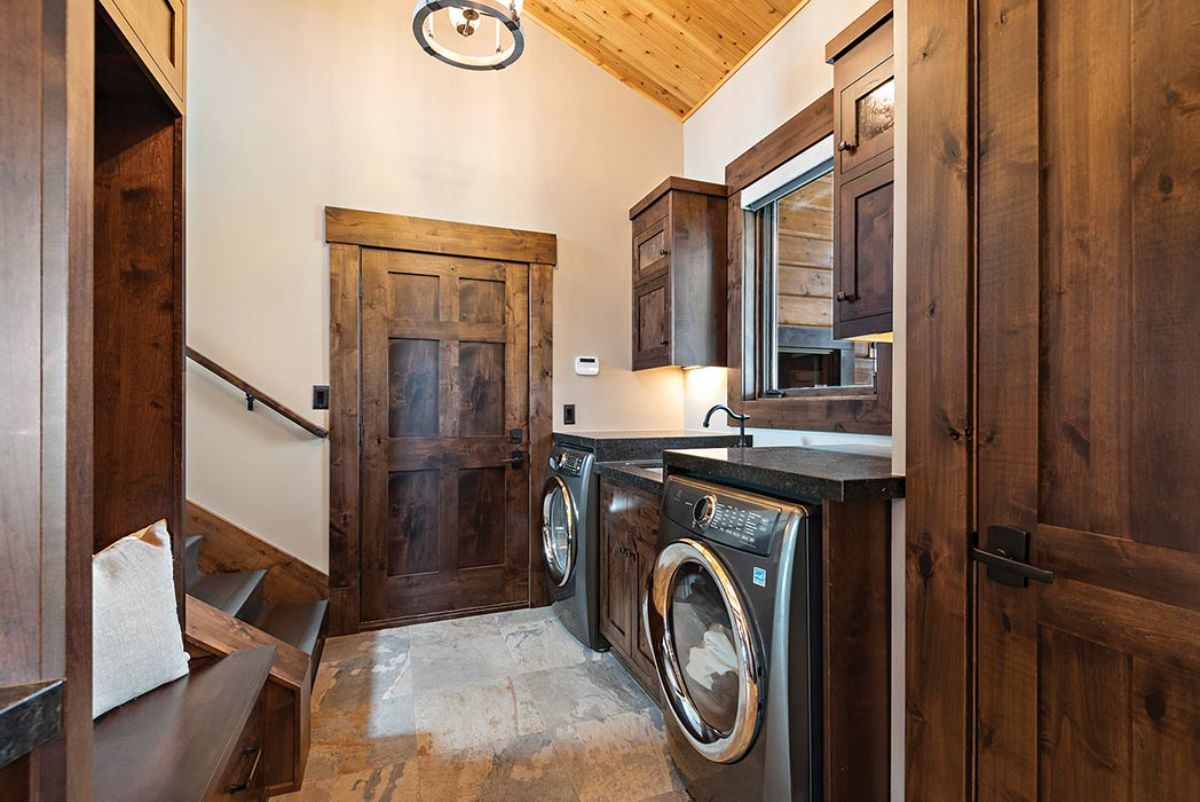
x=298 y=104
x=783 y=78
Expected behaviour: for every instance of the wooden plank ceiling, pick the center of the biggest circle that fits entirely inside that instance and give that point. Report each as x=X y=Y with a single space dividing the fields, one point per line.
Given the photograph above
x=677 y=52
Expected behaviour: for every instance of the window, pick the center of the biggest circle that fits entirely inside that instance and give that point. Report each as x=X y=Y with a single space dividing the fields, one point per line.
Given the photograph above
x=789 y=213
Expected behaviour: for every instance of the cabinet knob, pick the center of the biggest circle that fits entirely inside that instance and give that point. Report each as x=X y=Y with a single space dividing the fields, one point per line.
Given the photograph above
x=844 y=146
x=662 y=252
x=847 y=297
x=664 y=342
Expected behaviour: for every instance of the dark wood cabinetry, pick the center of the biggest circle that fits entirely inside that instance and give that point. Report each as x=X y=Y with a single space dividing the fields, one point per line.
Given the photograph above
x=628 y=543
x=679 y=275
x=156 y=32
x=864 y=130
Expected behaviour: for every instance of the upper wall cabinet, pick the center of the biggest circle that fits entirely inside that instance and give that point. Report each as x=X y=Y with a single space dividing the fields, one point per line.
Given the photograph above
x=679 y=275
x=864 y=127
x=156 y=30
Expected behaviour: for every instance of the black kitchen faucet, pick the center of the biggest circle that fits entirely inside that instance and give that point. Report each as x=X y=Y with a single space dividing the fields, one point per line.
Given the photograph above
x=741 y=419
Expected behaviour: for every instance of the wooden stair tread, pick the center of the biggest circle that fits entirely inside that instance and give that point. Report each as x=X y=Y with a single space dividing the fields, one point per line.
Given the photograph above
x=297 y=624
x=175 y=742
x=231 y=592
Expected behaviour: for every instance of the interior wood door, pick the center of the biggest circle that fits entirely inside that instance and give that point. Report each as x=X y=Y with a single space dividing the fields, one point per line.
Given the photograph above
x=445 y=411
x=1088 y=686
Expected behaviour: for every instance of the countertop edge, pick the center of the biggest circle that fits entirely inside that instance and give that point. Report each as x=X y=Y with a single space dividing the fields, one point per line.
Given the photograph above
x=797 y=485
x=30 y=715
x=617 y=473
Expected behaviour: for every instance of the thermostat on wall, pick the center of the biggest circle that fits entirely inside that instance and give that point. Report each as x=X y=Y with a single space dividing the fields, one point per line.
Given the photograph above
x=587 y=365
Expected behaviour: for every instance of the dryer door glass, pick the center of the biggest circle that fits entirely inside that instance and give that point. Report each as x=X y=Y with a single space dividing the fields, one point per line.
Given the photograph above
x=705 y=650
x=558 y=531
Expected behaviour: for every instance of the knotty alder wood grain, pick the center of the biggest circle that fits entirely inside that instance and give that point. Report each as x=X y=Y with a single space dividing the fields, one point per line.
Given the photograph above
x=856 y=653
x=676 y=52
x=445 y=378
x=455 y=356
x=46 y=82
x=1087 y=687
x=939 y=402
x=286 y=698
x=419 y=235
x=228 y=547
x=343 y=438
x=541 y=415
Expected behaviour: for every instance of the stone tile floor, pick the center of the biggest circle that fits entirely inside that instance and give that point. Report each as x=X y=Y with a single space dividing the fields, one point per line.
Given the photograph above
x=497 y=707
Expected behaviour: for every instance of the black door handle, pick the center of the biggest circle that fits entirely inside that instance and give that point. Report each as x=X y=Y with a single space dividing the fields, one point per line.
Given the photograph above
x=515 y=458
x=1007 y=558
x=1001 y=561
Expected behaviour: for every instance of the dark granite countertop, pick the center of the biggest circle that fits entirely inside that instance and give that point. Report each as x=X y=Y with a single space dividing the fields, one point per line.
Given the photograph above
x=802 y=474
x=633 y=445
x=646 y=476
x=30 y=715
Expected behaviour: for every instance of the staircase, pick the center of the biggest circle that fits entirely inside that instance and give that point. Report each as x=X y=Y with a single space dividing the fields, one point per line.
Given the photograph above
x=240 y=594
x=231 y=611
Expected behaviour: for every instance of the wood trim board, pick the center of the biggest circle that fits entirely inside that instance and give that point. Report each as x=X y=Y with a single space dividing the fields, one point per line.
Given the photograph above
x=940 y=402
x=397 y=232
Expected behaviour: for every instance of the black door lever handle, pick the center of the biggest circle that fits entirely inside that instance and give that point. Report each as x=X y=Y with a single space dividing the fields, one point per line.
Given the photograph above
x=1000 y=560
x=1006 y=556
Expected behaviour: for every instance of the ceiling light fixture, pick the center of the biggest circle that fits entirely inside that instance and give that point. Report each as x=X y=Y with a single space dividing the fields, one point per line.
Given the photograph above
x=472 y=34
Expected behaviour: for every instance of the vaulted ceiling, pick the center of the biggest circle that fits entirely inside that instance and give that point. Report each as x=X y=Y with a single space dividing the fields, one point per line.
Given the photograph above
x=677 y=52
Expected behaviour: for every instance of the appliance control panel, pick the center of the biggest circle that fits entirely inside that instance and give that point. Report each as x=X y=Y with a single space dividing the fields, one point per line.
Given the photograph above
x=728 y=517
x=569 y=463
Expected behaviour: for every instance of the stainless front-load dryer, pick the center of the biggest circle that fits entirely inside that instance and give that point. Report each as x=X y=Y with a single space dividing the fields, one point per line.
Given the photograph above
x=732 y=614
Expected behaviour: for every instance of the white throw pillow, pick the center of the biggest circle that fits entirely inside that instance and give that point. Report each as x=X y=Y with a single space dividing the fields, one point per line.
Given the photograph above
x=136 y=641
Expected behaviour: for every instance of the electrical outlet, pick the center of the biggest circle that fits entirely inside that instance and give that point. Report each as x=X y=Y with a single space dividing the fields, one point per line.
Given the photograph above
x=568 y=414
x=320 y=396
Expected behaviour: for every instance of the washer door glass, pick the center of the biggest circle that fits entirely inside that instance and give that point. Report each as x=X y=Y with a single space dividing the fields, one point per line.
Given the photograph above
x=705 y=651
x=704 y=645
x=558 y=531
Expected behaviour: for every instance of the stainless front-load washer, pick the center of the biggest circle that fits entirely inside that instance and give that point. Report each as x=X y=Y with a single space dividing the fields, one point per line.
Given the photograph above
x=732 y=614
x=570 y=543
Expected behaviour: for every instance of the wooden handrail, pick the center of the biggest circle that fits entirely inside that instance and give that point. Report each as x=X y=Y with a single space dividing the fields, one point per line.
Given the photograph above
x=254 y=394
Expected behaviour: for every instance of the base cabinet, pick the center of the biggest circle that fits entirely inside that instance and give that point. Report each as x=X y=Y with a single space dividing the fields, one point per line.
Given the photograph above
x=628 y=543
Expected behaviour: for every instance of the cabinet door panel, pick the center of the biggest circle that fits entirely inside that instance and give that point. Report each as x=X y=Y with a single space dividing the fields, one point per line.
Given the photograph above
x=156 y=30
x=646 y=549
x=868 y=116
x=652 y=323
x=652 y=250
x=614 y=579
x=863 y=261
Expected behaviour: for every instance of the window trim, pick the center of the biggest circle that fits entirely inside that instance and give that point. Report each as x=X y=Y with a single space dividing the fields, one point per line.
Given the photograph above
x=860 y=409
